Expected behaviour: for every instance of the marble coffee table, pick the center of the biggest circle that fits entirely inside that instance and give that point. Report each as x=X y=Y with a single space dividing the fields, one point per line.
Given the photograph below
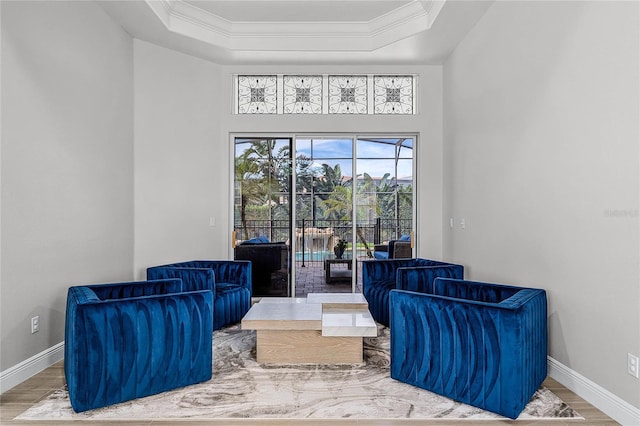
x=323 y=328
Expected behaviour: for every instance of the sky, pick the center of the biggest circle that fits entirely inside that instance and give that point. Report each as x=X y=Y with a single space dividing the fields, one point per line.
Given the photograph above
x=374 y=158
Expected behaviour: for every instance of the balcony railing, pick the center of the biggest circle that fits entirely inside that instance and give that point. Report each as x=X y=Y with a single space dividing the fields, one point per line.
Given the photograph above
x=318 y=237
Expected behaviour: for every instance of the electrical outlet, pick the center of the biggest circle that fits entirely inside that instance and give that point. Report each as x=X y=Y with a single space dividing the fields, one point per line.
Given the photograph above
x=632 y=365
x=35 y=324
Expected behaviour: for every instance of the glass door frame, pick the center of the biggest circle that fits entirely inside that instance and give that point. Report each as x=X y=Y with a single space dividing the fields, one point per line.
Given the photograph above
x=294 y=136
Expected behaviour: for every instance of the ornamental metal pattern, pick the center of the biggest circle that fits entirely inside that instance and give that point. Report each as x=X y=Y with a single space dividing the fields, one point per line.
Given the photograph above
x=347 y=94
x=302 y=94
x=257 y=94
x=393 y=94
x=325 y=94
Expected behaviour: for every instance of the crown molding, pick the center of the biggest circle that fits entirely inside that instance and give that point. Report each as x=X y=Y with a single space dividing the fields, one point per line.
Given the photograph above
x=188 y=20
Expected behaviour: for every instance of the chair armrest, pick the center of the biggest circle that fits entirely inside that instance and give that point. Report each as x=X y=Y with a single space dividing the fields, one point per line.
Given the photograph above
x=422 y=278
x=136 y=288
x=193 y=278
x=381 y=247
x=481 y=291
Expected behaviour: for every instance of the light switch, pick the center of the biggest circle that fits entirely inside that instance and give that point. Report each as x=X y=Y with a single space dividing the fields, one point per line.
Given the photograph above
x=463 y=224
x=212 y=221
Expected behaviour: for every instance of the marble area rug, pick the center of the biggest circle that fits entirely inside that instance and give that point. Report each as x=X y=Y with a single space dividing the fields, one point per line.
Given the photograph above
x=242 y=388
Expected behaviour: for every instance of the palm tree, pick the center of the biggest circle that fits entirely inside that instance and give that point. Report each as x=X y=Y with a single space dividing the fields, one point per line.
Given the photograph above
x=338 y=204
x=392 y=201
x=255 y=176
x=330 y=178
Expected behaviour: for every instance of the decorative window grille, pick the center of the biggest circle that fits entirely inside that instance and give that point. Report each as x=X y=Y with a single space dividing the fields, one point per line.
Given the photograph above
x=257 y=94
x=302 y=94
x=393 y=94
x=347 y=94
x=325 y=94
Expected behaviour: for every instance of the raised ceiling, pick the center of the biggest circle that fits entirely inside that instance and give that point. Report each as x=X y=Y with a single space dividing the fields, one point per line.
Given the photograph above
x=296 y=25
x=302 y=31
x=298 y=11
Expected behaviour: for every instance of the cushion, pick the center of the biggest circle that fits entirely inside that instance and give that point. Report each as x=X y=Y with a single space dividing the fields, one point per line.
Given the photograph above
x=258 y=240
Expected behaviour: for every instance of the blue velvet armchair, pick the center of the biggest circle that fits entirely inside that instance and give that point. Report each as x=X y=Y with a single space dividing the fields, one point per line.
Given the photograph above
x=130 y=340
x=379 y=277
x=229 y=280
x=478 y=343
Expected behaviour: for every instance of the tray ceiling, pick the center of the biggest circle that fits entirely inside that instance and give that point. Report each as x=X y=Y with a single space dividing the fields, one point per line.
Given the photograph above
x=302 y=31
x=299 y=11
x=297 y=25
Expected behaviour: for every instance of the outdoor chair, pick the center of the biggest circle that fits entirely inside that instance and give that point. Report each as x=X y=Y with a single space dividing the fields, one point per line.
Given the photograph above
x=478 y=343
x=394 y=249
x=129 y=340
x=269 y=266
x=379 y=277
x=229 y=280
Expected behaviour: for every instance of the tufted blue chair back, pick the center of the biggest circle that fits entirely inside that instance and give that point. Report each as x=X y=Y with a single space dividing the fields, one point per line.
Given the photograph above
x=129 y=340
x=478 y=343
x=379 y=277
x=230 y=281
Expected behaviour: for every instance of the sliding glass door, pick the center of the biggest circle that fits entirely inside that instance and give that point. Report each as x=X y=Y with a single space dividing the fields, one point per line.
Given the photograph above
x=385 y=186
x=307 y=209
x=326 y=253
x=262 y=213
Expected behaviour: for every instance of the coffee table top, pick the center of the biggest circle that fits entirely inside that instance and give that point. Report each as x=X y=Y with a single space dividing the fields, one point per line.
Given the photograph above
x=336 y=314
x=280 y=315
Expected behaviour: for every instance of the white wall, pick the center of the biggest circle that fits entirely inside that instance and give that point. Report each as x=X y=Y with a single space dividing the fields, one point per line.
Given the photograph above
x=183 y=161
x=67 y=141
x=541 y=160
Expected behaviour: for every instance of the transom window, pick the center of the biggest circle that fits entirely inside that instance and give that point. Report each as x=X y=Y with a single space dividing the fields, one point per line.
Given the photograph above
x=325 y=94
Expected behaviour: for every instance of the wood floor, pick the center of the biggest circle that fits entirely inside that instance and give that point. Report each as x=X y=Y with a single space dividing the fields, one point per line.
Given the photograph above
x=23 y=396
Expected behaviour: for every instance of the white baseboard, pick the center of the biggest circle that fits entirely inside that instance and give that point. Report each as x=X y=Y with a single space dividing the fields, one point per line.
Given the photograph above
x=30 y=367
x=610 y=404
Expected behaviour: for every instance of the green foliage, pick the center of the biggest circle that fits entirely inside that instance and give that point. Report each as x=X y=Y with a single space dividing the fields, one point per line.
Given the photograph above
x=338 y=205
x=341 y=244
x=263 y=189
x=260 y=177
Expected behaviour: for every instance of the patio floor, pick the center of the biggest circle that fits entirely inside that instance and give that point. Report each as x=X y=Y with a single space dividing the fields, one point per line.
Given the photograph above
x=311 y=279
